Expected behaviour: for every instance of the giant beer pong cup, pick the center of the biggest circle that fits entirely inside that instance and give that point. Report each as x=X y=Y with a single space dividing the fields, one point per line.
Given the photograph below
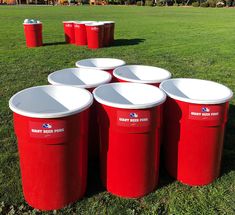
x=89 y=79
x=108 y=32
x=51 y=125
x=129 y=134
x=33 y=34
x=69 y=32
x=141 y=74
x=95 y=35
x=80 y=33
x=106 y=64
x=195 y=117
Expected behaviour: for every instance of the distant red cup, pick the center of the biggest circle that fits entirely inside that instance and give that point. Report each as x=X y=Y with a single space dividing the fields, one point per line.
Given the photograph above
x=69 y=32
x=33 y=34
x=95 y=35
x=108 y=32
x=141 y=74
x=80 y=33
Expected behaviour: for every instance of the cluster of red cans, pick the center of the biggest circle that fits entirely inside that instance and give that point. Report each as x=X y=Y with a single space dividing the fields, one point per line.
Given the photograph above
x=89 y=33
x=80 y=33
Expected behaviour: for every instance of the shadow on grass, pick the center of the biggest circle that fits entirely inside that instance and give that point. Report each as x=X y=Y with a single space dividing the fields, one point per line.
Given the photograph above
x=54 y=43
x=94 y=184
x=228 y=161
x=127 y=42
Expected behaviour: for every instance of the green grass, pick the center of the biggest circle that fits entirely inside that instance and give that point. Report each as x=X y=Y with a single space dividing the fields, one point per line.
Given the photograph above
x=189 y=42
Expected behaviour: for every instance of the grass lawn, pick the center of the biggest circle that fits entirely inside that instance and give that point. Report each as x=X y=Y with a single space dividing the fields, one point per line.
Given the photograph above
x=189 y=42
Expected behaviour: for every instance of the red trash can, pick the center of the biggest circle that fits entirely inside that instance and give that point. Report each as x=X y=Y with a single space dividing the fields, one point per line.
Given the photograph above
x=95 y=35
x=88 y=79
x=129 y=134
x=195 y=116
x=106 y=64
x=108 y=32
x=141 y=74
x=80 y=33
x=33 y=34
x=69 y=32
x=51 y=126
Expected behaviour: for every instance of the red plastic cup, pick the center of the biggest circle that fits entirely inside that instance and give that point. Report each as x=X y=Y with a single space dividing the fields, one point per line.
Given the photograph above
x=141 y=74
x=95 y=35
x=108 y=32
x=195 y=117
x=129 y=149
x=112 y=29
x=106 y=64
x=80 y=33
x=33 y=34
x=69 y=32
x=89 y=79
x=51 y=125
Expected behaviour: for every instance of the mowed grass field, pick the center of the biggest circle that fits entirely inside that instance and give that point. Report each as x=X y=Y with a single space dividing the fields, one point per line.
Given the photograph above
x=189 y=42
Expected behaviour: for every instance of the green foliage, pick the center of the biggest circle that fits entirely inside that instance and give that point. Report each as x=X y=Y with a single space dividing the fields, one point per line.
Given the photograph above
x=189 y=42
x=195 y=4
x=139 y=3
x=212 y=3
x=149 y=3
x=204 y=4
x=160 y=3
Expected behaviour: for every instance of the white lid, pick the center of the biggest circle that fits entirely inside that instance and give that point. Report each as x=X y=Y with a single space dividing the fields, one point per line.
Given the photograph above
x=83 y=22
x=80 y=77
x=129 y=95
x=100 y=63
x=50 y=101
x=69 y=21
x=196 y=91
x=141 y=74
x=95 y=24
x=38 y=23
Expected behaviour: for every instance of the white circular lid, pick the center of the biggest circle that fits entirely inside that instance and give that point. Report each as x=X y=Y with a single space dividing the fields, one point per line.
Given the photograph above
x=100 y=63
x=83 y=22
x=69 y=21
x=196 y=91
x=141 y=74
x=38 y=23
x=79 y=77
x=94 y=24
x=50 y=101
x=129 y=95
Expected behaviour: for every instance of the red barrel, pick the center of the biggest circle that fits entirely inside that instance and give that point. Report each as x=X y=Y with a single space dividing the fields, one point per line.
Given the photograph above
x=95 y=35
x=106 y=64
x=112 y=29
x=51 y=130
x=69 y=32
x=129 y=129
x=108 y=32
x=89 y=79
x=80 y=33
x=195 y=117
x=141 y=74
x=33 y=34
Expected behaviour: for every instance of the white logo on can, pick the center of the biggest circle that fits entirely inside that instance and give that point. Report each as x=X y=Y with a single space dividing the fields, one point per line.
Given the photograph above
x=94 y=29
x=68 y=25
